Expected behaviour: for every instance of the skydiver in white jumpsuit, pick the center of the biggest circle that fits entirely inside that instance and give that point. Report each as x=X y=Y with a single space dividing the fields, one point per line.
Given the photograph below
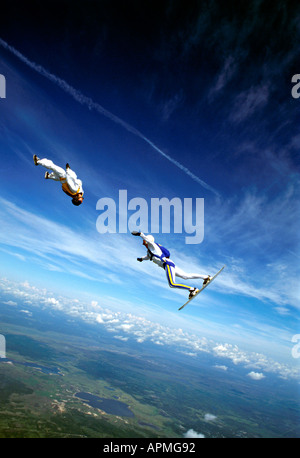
x=161 y=257
x=71 y=185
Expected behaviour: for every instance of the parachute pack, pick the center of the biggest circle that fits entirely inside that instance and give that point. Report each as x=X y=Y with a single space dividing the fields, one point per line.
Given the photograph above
x=165 y=251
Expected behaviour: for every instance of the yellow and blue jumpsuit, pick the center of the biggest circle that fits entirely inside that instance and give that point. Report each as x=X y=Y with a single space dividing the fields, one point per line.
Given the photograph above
x=155 y=254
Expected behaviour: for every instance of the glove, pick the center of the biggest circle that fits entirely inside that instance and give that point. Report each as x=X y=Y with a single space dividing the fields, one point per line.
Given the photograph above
x=135 y=233
x=139 y=259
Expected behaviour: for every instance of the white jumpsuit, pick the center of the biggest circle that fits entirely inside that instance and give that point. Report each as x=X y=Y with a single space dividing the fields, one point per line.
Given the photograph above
x=68 y=176
x=155 y=254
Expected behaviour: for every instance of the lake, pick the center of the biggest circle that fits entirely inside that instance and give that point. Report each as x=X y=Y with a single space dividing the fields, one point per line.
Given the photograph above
x=110 y=406
x=44 y=369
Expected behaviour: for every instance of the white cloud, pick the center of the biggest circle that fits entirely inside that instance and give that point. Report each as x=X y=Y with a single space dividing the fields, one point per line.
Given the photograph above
x=193 y=434
x=247 y=102
x=171 y=105
x=158 y=342
x=99 y=318
x=189 y=353
x=51 y=300
x=124 y=339
x=232 y=352
x=258 y=221
x=209 y=417
x=90 y=104
x=124 y=325
x=227 y=72
x=80 y=255
x=12 y=303
x=26 y=312
x=282 y=310
x=140 y=340
x=221 y=367
x=256 y=375
x=63 y=245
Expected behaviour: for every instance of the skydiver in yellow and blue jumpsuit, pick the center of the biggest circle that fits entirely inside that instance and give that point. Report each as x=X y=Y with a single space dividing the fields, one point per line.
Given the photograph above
x=161 y=257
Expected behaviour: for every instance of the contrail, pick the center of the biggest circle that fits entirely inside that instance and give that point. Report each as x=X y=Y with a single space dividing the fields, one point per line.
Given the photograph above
x=87 y=101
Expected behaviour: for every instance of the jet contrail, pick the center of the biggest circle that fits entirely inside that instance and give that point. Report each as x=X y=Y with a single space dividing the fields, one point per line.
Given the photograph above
x=87 y=101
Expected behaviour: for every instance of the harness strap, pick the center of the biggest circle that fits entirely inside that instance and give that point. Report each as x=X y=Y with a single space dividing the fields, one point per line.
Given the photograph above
x=151 y=255
x=165 y=261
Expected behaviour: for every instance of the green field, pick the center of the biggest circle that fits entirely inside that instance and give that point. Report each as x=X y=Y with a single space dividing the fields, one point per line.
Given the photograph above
x=50 y=359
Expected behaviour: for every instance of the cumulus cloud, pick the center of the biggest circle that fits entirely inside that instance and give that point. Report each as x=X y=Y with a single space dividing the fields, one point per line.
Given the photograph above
x=51 y=300
x=209 y=417
x=232 y=352
x=193 y=434
x=256 y=375
x=128 y=325
x=99 y=318
x=64 y=246
x=12 y=303
x=221 y=367
x=26 y=312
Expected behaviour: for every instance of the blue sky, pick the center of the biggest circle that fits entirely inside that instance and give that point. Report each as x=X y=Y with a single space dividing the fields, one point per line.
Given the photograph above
x=110 y=90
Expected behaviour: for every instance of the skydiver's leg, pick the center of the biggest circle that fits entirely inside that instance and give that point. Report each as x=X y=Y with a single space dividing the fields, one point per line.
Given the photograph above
x=57 y=172
x=52 y=176
x=180 y=273
x=170 y=273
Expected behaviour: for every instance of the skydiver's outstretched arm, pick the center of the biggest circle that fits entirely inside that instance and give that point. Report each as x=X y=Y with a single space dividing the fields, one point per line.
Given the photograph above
x=144 y=237
x=144 y=258
x=149 y=239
